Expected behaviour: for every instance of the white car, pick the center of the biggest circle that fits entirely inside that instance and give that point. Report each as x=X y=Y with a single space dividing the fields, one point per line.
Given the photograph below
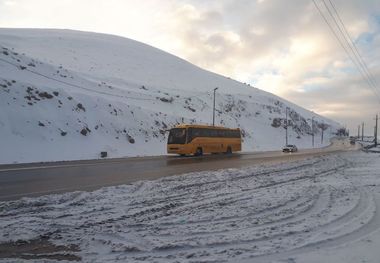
x=290 y=148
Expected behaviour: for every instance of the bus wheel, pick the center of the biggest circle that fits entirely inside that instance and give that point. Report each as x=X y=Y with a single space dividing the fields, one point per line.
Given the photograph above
x=229 y=150
x=199 y=152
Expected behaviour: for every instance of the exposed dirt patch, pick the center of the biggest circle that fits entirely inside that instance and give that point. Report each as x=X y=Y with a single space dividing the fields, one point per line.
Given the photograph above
x=40 y=248
x=45 y=95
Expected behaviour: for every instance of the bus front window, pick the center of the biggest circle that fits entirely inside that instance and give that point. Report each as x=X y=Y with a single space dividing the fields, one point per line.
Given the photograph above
x=177 y=136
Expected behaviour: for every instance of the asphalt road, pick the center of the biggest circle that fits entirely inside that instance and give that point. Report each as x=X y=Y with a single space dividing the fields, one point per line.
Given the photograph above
x=26 y=180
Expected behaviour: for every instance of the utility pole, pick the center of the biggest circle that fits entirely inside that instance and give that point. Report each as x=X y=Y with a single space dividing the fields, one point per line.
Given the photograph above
x=358 y=132
x=323 y=128
x=363 y=131
x=376 y=131
x=213 y=111
x=312 y=130
x=286 y=127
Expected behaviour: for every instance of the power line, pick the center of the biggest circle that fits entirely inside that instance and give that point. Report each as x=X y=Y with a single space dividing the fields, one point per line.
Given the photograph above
x=71 y=84
x=360 y=69
x=348 y=40
x=357 y=60
x=91 y=90
x=353 y=44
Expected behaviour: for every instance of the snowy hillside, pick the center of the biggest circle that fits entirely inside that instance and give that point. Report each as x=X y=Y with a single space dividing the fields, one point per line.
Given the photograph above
x=67 y=95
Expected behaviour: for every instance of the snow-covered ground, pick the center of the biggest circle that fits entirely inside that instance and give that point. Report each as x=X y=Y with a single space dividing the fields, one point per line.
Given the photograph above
x=323 y=209
x=67 y=95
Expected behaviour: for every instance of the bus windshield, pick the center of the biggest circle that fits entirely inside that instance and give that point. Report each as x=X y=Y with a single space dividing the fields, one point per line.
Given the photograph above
x=177 y=136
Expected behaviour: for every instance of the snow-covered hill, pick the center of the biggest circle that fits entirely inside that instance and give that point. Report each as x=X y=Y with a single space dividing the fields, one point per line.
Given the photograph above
x=67 y=95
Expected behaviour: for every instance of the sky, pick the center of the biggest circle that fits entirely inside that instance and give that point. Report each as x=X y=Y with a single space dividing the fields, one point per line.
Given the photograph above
x=284 y=47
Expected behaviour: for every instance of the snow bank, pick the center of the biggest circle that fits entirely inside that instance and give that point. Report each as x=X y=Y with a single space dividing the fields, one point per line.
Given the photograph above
x=68 y=95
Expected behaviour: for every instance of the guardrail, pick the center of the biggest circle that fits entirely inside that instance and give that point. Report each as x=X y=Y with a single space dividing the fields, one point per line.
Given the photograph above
x=366 y=148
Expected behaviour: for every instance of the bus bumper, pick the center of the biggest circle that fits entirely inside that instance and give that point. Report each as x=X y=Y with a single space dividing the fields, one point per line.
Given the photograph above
x=179 y=149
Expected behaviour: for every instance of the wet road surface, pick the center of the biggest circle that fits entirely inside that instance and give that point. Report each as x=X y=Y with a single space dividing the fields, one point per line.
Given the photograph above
x=26 y=180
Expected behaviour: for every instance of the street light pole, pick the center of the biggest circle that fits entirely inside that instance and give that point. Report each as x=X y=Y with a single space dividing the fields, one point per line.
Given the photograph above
x=213 y=111
x=376 y=130
x=323 y=128
x=362 y=131
x=312 y=130
x=286 y=127
x=358 y=132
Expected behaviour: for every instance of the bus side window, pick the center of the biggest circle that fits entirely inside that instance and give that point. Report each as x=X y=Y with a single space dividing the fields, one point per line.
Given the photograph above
x=210 y=133
x=204 y=133
x=189 y=135
x=196 y=133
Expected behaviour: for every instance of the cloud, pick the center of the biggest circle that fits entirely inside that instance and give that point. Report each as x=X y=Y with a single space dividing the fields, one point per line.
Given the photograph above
x=286 y=48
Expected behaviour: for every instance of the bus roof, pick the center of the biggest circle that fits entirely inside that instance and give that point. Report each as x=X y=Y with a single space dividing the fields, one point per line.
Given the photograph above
x=203 y=126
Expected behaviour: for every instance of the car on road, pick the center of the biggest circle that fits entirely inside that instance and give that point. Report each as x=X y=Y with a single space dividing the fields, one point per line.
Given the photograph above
x=290 y=148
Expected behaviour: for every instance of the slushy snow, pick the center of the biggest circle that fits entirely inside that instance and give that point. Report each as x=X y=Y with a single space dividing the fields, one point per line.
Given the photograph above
x=323 y=209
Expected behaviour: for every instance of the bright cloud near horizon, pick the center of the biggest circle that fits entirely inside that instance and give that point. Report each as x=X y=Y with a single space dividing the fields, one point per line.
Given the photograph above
x=283 y=47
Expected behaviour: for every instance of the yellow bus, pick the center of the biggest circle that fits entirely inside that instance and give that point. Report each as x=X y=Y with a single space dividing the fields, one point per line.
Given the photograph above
x=199 y=139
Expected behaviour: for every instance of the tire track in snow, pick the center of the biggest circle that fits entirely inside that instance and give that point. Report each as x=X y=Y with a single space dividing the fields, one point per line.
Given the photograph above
x=372 y=224
x=322 y=205
x=269 y=215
